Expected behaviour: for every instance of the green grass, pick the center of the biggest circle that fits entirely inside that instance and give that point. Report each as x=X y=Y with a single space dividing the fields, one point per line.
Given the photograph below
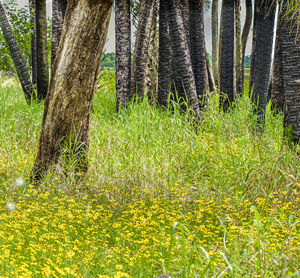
x=161 y=196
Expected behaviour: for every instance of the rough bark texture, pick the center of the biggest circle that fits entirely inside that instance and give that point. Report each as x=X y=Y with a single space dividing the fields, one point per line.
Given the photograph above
x=42 y=50
x=215 y=38
x=74 y=75
x=164 y=56
x=263 y=55
x=32 y=6
x=244 y=39
x=123 y=52
x=238 y=49
x=227 y=72
x=184 y=77
x=185 y=11
x=253 y=49
x=290 y=43
x=197 y=47
x=16 y=55
x=58 y=13
x=139 y=66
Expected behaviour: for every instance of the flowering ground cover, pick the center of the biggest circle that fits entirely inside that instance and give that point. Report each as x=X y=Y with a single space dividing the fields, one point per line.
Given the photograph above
x=162 y=196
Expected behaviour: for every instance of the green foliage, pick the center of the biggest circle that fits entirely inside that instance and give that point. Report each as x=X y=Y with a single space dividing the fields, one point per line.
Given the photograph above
x=108 y=60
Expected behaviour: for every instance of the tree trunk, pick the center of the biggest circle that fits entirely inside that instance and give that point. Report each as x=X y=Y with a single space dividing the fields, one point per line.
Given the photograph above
x=253 y=49
x=74 y=75
x=42 y=50
x=263 y=54
x=184 y=77
x=215 y=41
x=139 y=66
x=123 y=52
x=164 y=56
x=211 y=80
x=197 y=47
x=245 y=35
x=238 y=50
x=58 y=13
x=32 y=6
x=16 y=55
x=185 y=11
x=227 y=72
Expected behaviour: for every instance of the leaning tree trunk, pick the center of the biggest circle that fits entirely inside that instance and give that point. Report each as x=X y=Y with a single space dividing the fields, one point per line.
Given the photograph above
x=58 y=14
x=215 y=39
x=16 y=55
x=164 y=56
x=123 y=52
x=139 y=65
x=238 y=50
x=245 y=35
x=197 y=47
x=265 y=19
x=32 y=6
x=42 y=50
x=184 y=76
x=211 y=80
x=74 y=74
x=227 y=71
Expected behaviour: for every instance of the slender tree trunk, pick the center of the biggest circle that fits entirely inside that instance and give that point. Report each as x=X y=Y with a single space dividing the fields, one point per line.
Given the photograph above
x=197 y=46
x=238 y=50
x=74 y=74
x=16 y=55
x=58 y=13
x=227 y=73
x=245 y=36
x=263 y=54
x=42 y=50
x=123 y=52
x=32 y=6
x=184 y=77
x=139 y=66
x=211 y=80
x=253 y=53
x=164 y=56
x=215 y=36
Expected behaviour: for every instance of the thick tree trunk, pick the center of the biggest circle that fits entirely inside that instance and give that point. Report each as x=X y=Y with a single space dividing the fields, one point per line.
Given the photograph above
x=74 y=75
x=263 y=54
x=16 y=55
x=238 y=49
x=42 y=50
x=164 y=56
x=185 y=11
x=215 y=38
x=32 y=6
x=245 y=35
x=139 y=66
x=58 y=13
x=123 y=52
x=227 y=72
x=184 y=76
x=197 y=46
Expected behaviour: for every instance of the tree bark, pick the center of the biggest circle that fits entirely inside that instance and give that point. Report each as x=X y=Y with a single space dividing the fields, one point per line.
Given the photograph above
x=123 y=52
x=139 y=65
x=227 y=72
x=74 y=74
x=253 y=52
x=42 y=50
x=16 y=55
x=211 y=80
x=238 y=49
x=58 y=13
x=32 y=6
x=215 y=39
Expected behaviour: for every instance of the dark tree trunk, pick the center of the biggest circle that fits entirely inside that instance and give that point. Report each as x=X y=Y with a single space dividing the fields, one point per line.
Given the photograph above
x=227 y=72
x=185 y=11
x=184 y=77
x=253 y=49
x=215 y=38
x=139 y=66
x=164 y=56
x=211 y=80
x=74 y=75
x=42 y=50
x=123 y=52
x=238 y=49
x=197 y=47
x=245 y=36
x=263 y=53
x=58 y=13
x=32 y=5
x=16 y=55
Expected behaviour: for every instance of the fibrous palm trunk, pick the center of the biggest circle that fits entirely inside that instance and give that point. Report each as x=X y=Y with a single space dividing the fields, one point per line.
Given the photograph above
x=238 y=49
x=32 y=6
x=265 y=19
x=58 y=13
x=74 y=75
x=42 y=50
x=227 y=64
x=184 y=76
x=16 y=55
x=215 y=39
x=140 y=55
x=123 y=52
x=253 y=52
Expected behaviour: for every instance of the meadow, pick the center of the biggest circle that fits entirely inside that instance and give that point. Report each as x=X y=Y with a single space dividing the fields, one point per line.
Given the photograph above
x=162 y=195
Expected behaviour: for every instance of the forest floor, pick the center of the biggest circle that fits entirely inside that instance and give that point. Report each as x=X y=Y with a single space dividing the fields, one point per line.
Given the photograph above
x=161 y=195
